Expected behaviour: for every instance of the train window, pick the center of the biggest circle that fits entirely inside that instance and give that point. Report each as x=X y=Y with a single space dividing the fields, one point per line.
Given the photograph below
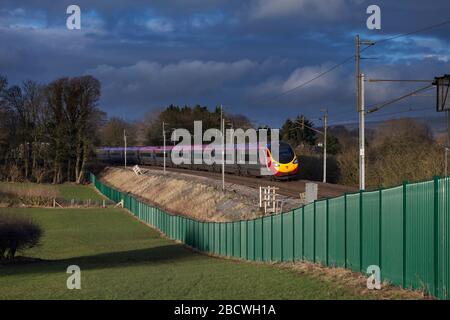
x=286 y=154
x=146 y=154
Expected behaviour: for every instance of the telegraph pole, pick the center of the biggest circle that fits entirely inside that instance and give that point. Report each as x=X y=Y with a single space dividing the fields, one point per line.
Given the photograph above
x=362 y=139
x=360 y=110
x=358 y=59
x=325 y=125
x=125 y=145
x=164 y=145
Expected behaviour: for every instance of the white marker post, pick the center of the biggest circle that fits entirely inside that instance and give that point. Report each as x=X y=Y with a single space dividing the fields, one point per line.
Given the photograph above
x=164 y=146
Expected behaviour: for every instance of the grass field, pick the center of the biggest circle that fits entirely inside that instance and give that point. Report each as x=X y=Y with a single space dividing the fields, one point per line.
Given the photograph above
x=66 y=191
x=121 y=258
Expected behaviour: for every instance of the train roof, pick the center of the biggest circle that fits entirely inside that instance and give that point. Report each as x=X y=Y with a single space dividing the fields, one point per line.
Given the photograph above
x=252 y=146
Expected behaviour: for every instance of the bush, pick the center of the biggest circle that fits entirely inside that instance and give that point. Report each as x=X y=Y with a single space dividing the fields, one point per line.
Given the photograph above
x=311 y=168
x=17 y=233
x=18 y=194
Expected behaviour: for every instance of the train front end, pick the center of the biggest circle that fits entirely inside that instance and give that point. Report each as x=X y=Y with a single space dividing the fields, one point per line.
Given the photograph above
x=285 y=164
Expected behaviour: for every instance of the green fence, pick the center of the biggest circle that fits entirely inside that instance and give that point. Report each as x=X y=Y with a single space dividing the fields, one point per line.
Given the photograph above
x=403 y=230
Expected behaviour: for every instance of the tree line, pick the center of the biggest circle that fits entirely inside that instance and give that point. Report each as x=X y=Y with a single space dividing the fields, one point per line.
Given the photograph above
x=48 y=132
x=149 y=131
x=396 y=150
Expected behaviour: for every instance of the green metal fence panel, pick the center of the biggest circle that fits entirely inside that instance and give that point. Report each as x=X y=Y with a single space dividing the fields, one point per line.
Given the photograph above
x=277 y=244
x=258 y=239
x=158 y=218
x=174 y=226
x=192 y=233
x=167 y=218
x=353 y=235
x=336 y=232
x=309 y=232
x=200 y=240
x=211 y=241
x=321 y=232
x=237 y=239
x=230 y=239
x=370 y=229
x=251 y=240
x=169 y=225
x=419 y=236
x=223 y=239
x=391 y=263
x=298 y=234
x=217 y=238
x=165 y=228
x=288 y=236
x=244 y=240
x=189 y=232
x=183 y=229
x=443 y=238
x=267 y=241
x=204 y=236
x=405 y=230
x=197 y=234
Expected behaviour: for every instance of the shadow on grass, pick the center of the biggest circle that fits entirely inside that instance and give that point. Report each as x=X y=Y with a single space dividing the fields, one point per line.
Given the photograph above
x=149 y=256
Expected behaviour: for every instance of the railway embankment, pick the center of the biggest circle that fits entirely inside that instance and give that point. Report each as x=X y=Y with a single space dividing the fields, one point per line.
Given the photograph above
x=192 y=196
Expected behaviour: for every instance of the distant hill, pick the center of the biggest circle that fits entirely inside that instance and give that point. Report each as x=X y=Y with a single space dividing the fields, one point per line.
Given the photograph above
x=437 y=124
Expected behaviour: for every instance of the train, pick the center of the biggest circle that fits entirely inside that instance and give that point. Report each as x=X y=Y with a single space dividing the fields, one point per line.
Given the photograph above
x=284 y=166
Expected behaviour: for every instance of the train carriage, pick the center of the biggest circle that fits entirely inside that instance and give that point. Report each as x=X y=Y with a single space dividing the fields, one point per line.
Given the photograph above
x=244 y=159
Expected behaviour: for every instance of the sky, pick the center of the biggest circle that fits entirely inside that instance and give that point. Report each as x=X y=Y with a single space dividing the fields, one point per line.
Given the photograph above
x=241 y=54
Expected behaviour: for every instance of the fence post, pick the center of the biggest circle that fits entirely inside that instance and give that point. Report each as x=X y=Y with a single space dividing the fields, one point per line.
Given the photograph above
x=220 y=238
x=254 y=239
x=380 y=225
x=361 y=231
x=226 y=239
x=345 y=230
x=293 y=235
x=232 y=239
x=436 y=236
x=405 y=184
x=282 y=236
x=314 y=233
x=327 y=236
x=271 y=237
x=262 y=239
x=303 y=233
x=246 y=239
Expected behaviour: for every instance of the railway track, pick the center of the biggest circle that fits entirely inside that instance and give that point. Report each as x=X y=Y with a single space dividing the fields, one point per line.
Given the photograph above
x=288 y=188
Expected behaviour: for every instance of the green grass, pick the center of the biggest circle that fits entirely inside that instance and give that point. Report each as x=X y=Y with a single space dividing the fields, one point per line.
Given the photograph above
x=66 y=191
x=121 y=258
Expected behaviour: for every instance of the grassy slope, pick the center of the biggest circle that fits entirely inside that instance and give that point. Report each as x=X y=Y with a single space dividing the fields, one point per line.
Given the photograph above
x=67 y=191
x=121 y=258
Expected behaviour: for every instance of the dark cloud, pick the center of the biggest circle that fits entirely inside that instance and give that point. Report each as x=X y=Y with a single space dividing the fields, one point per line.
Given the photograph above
x=149 y=54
